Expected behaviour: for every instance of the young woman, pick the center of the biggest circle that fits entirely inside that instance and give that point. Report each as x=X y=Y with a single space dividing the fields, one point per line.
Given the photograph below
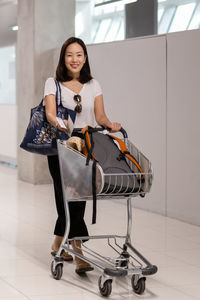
x=82 y=93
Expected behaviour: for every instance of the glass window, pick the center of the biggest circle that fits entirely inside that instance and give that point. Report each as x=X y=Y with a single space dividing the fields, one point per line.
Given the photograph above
x=105 y=20
x=109 y=8
x=182 y=17
x=95 y=27
x=160 y=13
x=79 y=23
x=103 y=30
x=166 y=19
x=113 y=31
x=97 y=11
x=121 y=32
x=195 y=21
x=7 y=75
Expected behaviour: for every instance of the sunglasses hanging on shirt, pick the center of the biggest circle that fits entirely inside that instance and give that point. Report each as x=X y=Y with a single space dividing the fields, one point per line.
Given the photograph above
x=78 y=107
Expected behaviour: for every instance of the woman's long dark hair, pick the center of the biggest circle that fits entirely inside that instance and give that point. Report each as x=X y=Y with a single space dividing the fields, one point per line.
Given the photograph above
x=62 y=71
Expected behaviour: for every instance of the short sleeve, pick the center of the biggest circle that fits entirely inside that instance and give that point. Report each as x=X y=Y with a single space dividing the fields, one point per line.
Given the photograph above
x=97 y=88
x=49 y=87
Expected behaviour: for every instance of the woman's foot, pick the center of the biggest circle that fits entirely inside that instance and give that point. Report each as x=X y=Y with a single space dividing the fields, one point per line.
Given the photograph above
x=81 y=265
x=65 y=255
x=55 y=247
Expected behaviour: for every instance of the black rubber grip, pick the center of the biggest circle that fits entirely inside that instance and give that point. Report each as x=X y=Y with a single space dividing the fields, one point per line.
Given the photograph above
x=95 y=129
x=123 y=131
x=150 y=270
x=115 y=273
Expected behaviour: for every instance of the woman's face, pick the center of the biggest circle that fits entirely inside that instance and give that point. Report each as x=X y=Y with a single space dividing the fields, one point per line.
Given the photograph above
x=74 y=59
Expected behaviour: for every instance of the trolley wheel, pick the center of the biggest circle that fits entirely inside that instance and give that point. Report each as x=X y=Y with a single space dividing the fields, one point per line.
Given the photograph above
x=138 y=287
x=107 y=287
x=57 y=273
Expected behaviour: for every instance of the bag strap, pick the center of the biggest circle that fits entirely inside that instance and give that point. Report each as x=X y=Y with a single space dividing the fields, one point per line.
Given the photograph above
x=94 y=193
x=126 y=153
x=89 y=144
x=58 y=93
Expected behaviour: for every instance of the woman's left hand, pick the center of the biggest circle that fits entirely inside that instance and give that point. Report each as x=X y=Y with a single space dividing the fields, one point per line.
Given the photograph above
x=115 y=127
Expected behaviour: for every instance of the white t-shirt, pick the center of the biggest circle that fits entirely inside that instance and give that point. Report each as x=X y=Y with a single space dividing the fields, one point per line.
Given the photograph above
x=88 y=93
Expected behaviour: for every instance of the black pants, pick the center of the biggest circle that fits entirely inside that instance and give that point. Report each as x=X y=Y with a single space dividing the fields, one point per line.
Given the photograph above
x=76 y=208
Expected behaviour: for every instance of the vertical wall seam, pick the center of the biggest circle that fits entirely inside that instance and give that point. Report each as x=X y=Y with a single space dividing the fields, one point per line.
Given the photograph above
x=166 y=129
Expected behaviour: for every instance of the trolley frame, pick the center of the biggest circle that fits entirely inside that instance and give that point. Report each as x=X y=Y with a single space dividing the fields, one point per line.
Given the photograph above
x=129 y=261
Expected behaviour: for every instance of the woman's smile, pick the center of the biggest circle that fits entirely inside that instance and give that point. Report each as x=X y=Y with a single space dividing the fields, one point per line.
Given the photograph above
x=74 y=66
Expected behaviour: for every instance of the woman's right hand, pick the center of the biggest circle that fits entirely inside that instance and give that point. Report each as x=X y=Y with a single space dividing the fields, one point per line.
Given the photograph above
x=66 y=129
x=115 y=127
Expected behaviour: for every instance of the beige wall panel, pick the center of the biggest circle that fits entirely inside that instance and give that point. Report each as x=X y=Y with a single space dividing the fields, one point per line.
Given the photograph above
x=183 y=126
x=132 y=74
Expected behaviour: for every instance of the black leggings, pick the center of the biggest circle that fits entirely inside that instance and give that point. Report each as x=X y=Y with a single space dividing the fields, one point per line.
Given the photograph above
x=76 y=208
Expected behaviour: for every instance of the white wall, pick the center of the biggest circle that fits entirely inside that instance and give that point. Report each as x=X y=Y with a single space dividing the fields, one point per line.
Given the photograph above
x=8 y=125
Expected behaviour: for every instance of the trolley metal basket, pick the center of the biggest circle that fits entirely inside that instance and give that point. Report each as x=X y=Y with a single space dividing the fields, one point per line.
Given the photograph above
x=77 y=186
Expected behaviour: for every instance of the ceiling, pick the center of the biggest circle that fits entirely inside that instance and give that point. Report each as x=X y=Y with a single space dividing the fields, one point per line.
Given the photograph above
x=8 y=17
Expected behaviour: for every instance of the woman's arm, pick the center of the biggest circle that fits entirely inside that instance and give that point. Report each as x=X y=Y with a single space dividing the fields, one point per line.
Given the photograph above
x=101 y=117
x=50 y=107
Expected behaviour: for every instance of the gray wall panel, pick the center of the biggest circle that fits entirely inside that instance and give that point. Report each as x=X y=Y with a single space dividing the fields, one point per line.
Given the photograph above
x=183 y=126
x=132 y=74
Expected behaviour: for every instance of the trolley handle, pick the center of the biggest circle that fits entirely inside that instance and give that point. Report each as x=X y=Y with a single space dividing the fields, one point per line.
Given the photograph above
x=96 y=129
x=123 y=131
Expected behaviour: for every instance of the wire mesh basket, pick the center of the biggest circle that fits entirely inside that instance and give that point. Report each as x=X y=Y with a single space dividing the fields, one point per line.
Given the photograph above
x=77 y=177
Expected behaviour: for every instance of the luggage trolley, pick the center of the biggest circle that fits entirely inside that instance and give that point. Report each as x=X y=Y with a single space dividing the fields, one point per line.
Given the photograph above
x=77 y=186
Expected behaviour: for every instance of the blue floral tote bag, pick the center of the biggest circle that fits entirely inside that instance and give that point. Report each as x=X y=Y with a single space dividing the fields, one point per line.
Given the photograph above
x=41 y=136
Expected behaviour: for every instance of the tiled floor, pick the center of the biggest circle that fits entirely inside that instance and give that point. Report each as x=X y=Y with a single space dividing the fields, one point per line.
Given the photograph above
x=27 y=215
